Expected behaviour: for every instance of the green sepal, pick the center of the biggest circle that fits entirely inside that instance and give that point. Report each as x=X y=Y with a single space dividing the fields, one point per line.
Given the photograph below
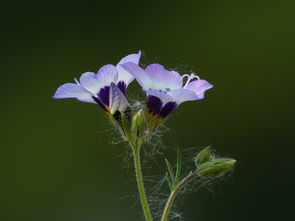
x=126 y=125
x=117 y=124
x=215 y=167
x=203 y=156
x=153 y=122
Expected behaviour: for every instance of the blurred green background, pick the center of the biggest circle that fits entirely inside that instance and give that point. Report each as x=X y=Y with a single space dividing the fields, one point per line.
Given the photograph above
x=58 y=162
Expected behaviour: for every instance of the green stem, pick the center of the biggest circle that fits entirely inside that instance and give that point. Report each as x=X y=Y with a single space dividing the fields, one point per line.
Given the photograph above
x=143 y=199
x=174 y=193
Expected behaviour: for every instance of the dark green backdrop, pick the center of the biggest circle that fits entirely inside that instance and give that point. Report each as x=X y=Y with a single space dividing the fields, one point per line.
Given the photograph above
x=57 y=160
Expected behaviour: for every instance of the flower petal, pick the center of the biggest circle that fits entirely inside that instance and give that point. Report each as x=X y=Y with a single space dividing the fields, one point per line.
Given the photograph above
x=154 y=104
x=199 y=87
x=163 y=79
x=182 y=95
x=167 y=109
x=90 y=83
x=165 y=98
x=124 y=75
x=134 y=58
x=122 y=86
x=118 y=101
x=107 y=74
x=71 y=90
x=104 y=95
x=141 y=76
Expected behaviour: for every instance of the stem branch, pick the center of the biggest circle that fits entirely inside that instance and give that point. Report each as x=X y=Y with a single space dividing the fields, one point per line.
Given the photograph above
x=174 y=193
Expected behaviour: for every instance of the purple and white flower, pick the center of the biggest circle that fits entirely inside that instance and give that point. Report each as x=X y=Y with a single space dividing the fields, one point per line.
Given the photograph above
x=107 y=87
x=165 y=89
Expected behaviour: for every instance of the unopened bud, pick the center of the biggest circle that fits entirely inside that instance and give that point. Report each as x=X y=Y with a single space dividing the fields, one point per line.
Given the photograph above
x=216 y=167
x=203 y=156
x=138 y=123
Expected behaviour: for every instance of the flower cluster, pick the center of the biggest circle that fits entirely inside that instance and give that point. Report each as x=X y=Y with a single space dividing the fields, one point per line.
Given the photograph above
x=165 y=89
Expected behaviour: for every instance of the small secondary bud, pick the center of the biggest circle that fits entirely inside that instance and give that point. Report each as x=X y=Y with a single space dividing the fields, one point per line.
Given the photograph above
x=203 y=156
x=216 y=167
x=138 y=123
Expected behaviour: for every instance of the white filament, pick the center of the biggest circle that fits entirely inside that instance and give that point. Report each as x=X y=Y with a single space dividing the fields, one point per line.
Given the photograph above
x=189 y=78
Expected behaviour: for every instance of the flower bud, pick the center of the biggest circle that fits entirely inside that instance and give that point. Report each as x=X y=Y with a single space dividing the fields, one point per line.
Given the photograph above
x=203 y=156
x=138 y=123
x=216 y=167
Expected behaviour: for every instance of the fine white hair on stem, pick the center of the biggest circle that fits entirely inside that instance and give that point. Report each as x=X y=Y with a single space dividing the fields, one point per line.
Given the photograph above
x=159 y=191
x=152 y=159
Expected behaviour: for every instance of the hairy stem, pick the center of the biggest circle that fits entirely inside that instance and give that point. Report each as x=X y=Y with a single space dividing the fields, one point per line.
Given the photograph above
x=174 y=193
x=139 y=179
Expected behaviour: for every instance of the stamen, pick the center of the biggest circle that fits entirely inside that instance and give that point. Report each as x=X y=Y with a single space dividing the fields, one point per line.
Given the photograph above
x=77 y=81
x=189 y=78
x=185 y=75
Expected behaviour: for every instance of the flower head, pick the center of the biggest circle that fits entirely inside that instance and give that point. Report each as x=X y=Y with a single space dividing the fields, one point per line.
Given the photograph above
x=107 y=87
x=165 y=89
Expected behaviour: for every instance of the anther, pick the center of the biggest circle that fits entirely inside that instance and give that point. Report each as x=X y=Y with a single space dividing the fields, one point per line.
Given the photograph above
x=189 y=78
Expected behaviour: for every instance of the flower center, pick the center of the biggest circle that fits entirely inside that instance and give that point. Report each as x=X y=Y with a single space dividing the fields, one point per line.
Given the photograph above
x=189 y=78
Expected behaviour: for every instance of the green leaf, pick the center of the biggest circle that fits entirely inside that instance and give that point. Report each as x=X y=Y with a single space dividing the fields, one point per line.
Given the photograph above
x=168 y=181
x=178 y=168
x=170 y=172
